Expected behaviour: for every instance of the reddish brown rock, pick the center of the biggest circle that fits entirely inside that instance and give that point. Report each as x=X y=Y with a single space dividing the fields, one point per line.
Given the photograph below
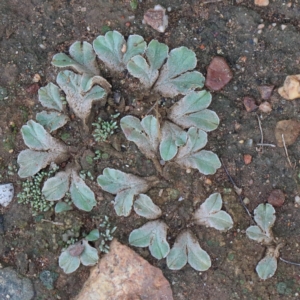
x=156 y=18
x=261 y=2
x=218 y=74
x=265 y=91
x=276 y=198
x=247 y=159
x=123 y=275
x=249 y=104
x=33 y=88
x=290 y=129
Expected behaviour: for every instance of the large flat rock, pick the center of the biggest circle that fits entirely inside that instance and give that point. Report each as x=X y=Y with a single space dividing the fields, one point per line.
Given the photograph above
x=123 y=274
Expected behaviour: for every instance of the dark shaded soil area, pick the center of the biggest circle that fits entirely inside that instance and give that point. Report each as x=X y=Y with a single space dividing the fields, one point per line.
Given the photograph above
x=32 y=31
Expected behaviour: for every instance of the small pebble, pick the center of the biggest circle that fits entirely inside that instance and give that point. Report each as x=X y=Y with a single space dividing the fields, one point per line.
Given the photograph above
x=36 y=78
x=265 y=91
x=33 y=88
x=156 y=18
x=249 y=143
x=246 y=201
x=247 y=159
x=218 y=74
x=260 y=26
x=249 y=104
x=265 y=107
x=261 y=2
x=208 y=181
x=276 y=198
x=283 y=27
x=297 y=199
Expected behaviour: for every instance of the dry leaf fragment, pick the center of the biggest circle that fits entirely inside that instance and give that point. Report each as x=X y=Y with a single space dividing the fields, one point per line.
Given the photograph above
x=290 y=129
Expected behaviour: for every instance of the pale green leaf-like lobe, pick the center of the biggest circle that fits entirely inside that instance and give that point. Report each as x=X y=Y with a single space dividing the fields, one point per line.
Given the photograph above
x=264 y=216
x=256 y=233
x=145 y=207
x=109 y=49
x=156 y=54
x=139 y=68
x=147 y=70
x=187 y=249
x=211 y=215
x=123 y=202
x=172 y=137
x=180 y=60
x=79 y=99
x=49 y=97
x=36 y=137
x=196 y=140
x=88 y=81
x=82 y=196
x=135 y=46
x=152 y=234
x=125 y=186
x=174 y=78
x=189 y=156
x=206 y=162
x=51 y=120
x=89 y=256
x=93 y=235
x=31 y=162
x=266 y=268
x=145 y=134
x=191 y=111
x=115 y=52
x=56 y=187
x=68 y=262
x=62 y=207
x=82 y=60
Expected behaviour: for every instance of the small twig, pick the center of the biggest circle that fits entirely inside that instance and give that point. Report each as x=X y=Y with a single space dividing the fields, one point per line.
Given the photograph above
x=157 y=165
x=211 y=1
x=266 y=145
x=286 y=152
x=152 y=107
x=289 y=262
x=236 y=189
x=54 y=223
x=261 y=133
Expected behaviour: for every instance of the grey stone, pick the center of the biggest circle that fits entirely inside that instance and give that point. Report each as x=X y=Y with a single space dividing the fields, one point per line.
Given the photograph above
x=15 y=287
x=48 y=278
